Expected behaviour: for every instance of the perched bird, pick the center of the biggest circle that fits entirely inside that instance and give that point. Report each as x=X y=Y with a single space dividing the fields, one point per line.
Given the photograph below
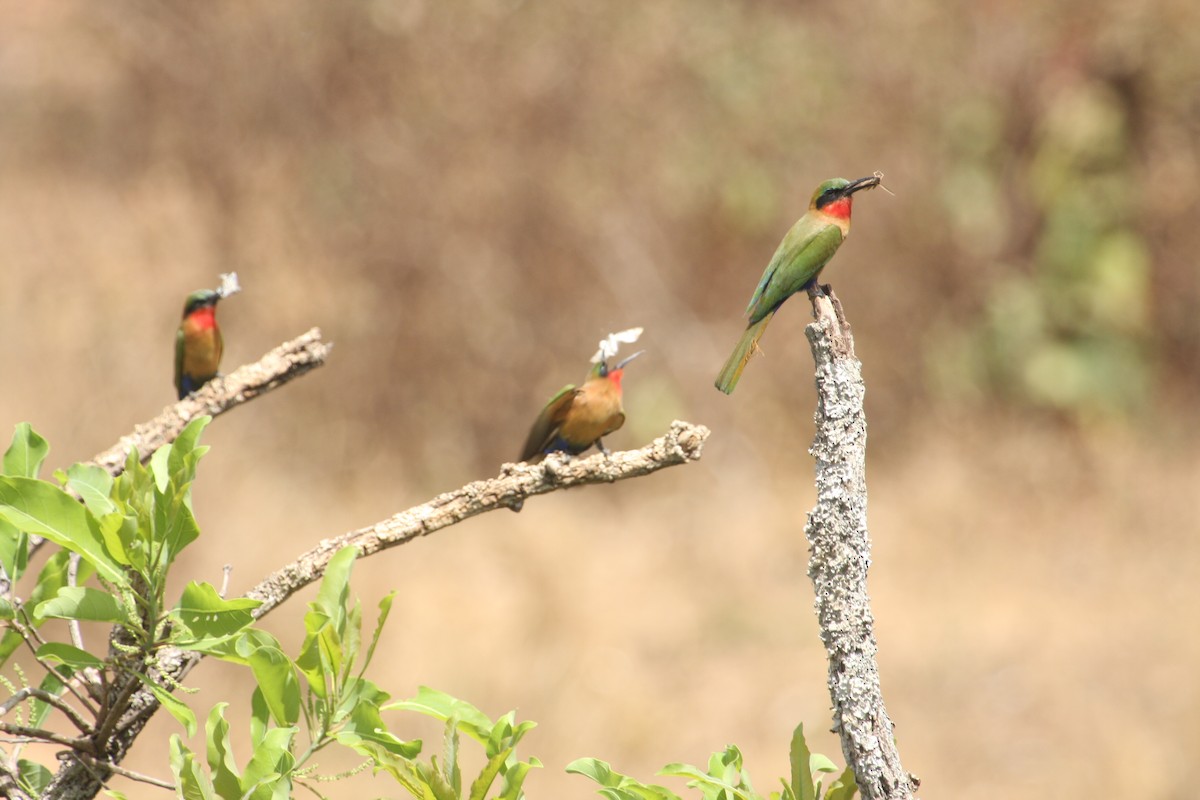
x=798 y=261
x=578 y=417
x=198 y=343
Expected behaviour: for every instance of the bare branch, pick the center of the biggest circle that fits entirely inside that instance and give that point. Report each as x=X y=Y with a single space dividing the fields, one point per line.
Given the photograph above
x=683 y=443
x=840 y=555
x=288 y=361
x=49 y=699
x=45 y=736
x=101 y=766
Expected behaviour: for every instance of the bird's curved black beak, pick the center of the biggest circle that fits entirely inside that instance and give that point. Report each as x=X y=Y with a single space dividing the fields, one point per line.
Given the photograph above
x=624 y=361
x=869 y=182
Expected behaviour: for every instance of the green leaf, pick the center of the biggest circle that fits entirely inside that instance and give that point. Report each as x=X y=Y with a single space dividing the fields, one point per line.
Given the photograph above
x=351 y=640
x=318 y=652
x=207 y=615
x=719 y=777
x=277 y=679
x=618 y=785
x=43 y=509
x=365 y=732
x=451 y=770
x=271 y=765
x=93 y=485
x=33 y=777
x=335 y=587
x=185 y=452
x=69 y=655
x=190 y=781
x=174 y=525
x=14 y=551
x=514 y=779
x=385 y=608
x=174 y=706
x=260 y=716
x=82 y=603
x=25 y=455
x=481 y=784
x=225 y=777
x=820 y=763
x=54 y=576
x=442 y=706
x=9 y=643
x=844 y=788
x=801 y=760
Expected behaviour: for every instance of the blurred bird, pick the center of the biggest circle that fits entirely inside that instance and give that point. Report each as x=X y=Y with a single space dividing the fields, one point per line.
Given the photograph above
x=797 y=263
x=198 y=343
x=578 y=417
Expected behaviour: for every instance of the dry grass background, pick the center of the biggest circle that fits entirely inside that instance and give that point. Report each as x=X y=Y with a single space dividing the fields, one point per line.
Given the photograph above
x=465 y=195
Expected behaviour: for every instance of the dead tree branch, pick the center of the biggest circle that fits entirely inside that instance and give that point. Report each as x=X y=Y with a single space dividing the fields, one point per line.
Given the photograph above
x=288 y=361
x=683 y=443
x=840 y=556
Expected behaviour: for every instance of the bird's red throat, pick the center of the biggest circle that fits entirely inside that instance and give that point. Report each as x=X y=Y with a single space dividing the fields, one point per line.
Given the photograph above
x=203 y=318
x=839 y=209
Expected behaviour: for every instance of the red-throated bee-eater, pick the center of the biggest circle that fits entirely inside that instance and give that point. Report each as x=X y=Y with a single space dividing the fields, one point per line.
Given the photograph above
x=198 y=342
x=580 y=416
x=798 y=262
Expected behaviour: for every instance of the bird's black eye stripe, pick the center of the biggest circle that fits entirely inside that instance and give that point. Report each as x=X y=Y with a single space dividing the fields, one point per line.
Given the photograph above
x=828 y=196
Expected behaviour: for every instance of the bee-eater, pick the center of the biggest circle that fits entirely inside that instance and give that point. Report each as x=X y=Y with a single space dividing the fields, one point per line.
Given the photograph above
x=797 y=262
x=578 y=417
x=198 y=343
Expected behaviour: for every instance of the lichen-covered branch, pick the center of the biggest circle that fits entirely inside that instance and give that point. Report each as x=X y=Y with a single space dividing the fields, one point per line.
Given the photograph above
x=840 y=555
x=516 y=482
x=288 y=361
x=683 y=443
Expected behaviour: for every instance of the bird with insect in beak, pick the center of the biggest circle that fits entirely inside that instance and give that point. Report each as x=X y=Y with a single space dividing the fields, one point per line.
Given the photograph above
x=580 y=416
x=198 y=342
x=796 y=265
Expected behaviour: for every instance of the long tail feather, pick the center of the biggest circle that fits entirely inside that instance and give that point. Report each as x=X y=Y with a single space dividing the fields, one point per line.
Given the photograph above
x=746 y=346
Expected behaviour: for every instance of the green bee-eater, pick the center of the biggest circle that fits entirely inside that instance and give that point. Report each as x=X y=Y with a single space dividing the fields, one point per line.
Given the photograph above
x=198 y=343
x=798 y=261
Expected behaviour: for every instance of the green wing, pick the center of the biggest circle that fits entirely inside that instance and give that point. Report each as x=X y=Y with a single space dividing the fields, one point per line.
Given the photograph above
x=805 y=249
x=546 y=426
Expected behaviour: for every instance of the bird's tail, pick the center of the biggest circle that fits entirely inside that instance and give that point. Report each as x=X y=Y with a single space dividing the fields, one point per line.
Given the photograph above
x=746 y=347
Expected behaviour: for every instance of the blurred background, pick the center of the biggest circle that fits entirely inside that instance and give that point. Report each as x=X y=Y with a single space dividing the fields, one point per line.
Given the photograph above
x=466 y=195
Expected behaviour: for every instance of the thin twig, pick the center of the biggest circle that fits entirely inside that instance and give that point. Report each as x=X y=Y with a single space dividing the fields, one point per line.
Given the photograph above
x=50 y=699
x=28 y=633
x=96 y=764
x=39 y=734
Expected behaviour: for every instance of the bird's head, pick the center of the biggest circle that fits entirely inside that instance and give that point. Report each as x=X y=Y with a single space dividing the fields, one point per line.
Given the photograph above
x=835 y=196
x=615 y=373
x=205 y=298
